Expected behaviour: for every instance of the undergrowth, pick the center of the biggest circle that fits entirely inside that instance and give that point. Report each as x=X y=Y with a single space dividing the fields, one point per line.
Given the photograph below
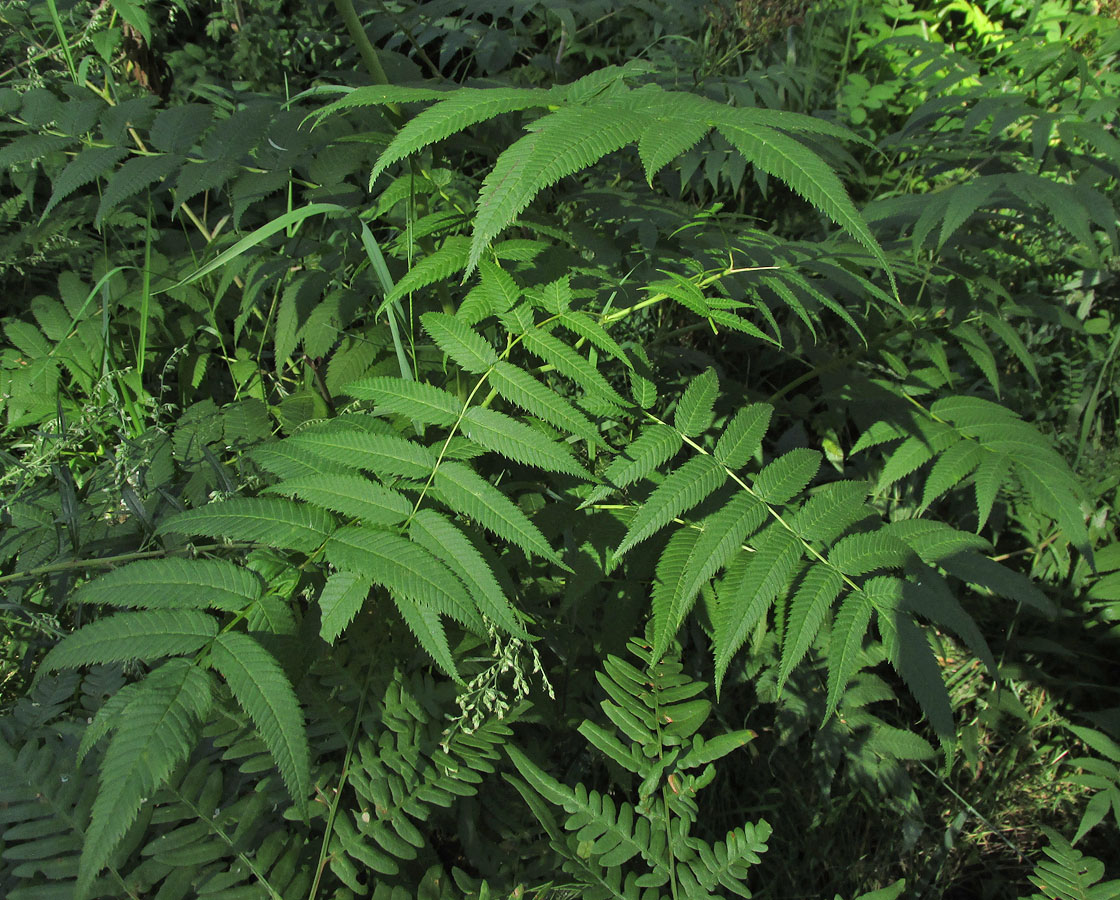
x=569 y=450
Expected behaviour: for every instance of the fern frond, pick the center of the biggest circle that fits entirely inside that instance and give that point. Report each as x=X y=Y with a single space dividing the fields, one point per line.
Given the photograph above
x=505 y=435
x=858 y=554
x=424 y=622
x=467 y=493
x=348 y=495
x=587 y=328
x=154 y=733
x=271 y=521
x=443 y=538
x=991 y=473
x=1069 y=874
x=952 y=467
x=146 y=635
x=162 y=583
x=681 y=490
x=261 y=688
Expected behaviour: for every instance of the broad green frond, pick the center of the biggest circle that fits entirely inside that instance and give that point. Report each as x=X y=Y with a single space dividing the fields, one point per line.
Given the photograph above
x=913 y=659
x=444 y=540
x=667 y=136
x=559 y=144
x=146 y=635
x=819 y=588
x=510 y=438
x=495 y=293
x=414 y=399
x=1069 y=874
x=155 y=732
x=403 y=567
x=933 y=540
x=743 y=435
x=973 y=568
x=694 y=411
x=787 y=476
x=1055 y=493
x=810 y=176
x=657 y=444
x=349 y=495
x=721 y=536
x=379 y=95
x=262 y=689
x=469 y=494
x=462 y=108
x=910 y=455
x=570 y=364
x=745 y=600
x=286 y=460
x=383 y=454
x=178 y=583
x=459 y=342
x=681 y=490
x=522 y=389
x=845 y=648
x=339 y=601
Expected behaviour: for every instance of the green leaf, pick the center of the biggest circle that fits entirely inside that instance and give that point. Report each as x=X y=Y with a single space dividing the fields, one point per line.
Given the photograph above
x=990 y=475
x=460 y=342
x=270 y=521
x=340 y=600
x=520 y=388
x=416 y=400
x=845 y=648
x=832 y=510
x=179 y=583
x=680 y=491
x=146 y=635
x=787 y=476
x=559 y=144
x=403 y=567
x=952 y=466
x=469 y=494
x=743 y=435
x=819 y=588
x=425 y=624
x=808 y=175
x=262 y=689
x=656 y=444
x=444 y=539
x=438 y=266
x=155 y=732
x=694 y=412
x=745 y=600
x=678 y=582
x=90 y=164
x=1055 y=497
x=514 y=440
x=384 y=454
x=353 y=496
x=461 y=109
x=570 y=364
x=858 y=554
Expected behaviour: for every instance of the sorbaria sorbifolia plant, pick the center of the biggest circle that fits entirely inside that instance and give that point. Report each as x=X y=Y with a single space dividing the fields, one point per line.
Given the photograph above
x=394 y=465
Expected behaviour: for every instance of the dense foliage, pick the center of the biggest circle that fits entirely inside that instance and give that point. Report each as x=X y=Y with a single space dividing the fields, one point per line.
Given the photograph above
x=442 y=440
